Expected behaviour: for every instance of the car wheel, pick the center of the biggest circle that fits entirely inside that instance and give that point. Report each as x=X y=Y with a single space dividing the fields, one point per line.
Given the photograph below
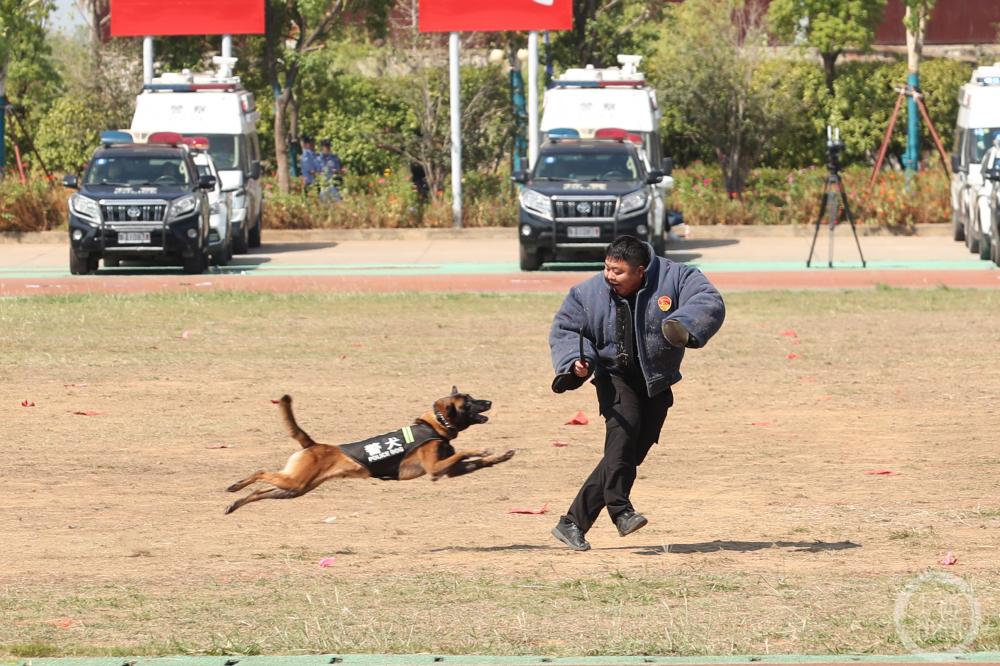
x=222 y=257
x=240 y=244
x=78 y=266
x=195 y=264
x=530 y=261
x=658 y=243
x=971 y=242
x=253 y=238
x=957 y=226
x=984 y=246
x=111 y=262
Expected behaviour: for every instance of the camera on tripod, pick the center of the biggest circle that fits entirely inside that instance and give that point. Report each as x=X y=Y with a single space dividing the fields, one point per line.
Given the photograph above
x=833 y=200
x=834 y=147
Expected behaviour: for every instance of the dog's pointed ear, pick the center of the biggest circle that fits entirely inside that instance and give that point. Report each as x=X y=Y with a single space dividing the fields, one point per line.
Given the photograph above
x=454 y=390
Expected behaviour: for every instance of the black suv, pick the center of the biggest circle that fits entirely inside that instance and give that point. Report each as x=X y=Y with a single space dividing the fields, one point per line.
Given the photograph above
x=139 y=201
x=582 y=195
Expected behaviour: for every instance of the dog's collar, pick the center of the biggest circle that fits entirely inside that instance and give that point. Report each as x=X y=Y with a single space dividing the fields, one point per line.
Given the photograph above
x=443 y=421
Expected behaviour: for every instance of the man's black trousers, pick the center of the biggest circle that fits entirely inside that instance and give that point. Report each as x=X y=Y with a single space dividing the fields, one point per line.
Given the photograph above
x=633 y=421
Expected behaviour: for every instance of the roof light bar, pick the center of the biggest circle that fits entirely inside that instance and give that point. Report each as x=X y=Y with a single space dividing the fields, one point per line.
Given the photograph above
x=636 y=139
x=600 y=84
x=116 y=136
x=563 y=133
x=612 y=133
x=169 y=138
x=195 y=142
x=189 y=87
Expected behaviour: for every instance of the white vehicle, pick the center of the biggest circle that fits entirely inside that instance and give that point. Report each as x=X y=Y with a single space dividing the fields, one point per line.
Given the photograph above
x=978 y=125
x=220 y=236
x=588 y=100
x=218 y=108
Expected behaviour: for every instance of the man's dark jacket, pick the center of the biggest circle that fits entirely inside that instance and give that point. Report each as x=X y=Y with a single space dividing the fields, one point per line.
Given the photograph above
x=607 y=323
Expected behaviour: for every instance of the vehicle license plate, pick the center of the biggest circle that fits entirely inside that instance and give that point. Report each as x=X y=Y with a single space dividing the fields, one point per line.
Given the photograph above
x=133 y=237
x=584 y=232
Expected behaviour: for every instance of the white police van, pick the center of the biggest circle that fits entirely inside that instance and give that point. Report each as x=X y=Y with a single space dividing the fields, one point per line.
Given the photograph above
x=218 y=108
x=977 y=127
x=588 y=100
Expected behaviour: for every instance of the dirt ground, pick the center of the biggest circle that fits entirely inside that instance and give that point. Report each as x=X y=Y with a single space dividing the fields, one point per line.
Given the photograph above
x=767 y=532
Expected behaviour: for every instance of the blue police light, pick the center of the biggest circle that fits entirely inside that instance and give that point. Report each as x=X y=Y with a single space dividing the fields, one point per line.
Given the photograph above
x=115 y=136
x=562 y=133
x=989 y=80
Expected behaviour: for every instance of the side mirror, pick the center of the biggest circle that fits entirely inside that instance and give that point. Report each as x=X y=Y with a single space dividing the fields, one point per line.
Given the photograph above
x=956 y=163
x=654 y=176
x=255 y=169
x=206 y=182
x=71 y=181
x=668 y=166
x=519 y=177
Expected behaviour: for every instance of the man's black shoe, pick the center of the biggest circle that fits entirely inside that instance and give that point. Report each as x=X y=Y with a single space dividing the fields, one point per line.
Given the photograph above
x=629 y=521
x=570 y=535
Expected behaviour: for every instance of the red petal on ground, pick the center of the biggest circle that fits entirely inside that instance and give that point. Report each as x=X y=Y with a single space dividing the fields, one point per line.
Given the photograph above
x=90 y=413
x=579 y=419
x=217 y=447
x=25 y=403
x=275 y=402
x=825 y=397
x=794 y=356
x=533 y=512
x=883 y=472
x=788 y=334
x=327 y=561
x=342 y=358
x=949 y=559
x=557 y=443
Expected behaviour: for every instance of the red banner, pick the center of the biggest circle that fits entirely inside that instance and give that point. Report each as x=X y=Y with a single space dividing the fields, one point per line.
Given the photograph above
x=494 y=15
x=137 y=18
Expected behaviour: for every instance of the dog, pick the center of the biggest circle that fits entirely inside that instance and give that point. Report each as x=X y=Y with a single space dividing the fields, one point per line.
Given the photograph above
x=411 y=452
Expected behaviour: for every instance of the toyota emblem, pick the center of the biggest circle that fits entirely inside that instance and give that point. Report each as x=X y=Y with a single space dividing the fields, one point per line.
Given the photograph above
x=134 y=212
x=583 y=207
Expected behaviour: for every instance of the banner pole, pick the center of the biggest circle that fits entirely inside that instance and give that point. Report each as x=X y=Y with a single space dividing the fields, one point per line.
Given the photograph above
x=147 y=59
x=532 y=98
x=456 y=129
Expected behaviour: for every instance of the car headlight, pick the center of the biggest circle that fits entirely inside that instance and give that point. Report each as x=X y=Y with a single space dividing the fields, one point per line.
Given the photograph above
x=631 y=202
x=84 y=207
x=214 y=209
x=537 y=203
x=181 y=207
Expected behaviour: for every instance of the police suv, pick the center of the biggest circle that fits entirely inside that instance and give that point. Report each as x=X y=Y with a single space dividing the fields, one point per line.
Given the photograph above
x=582 y=194
x=139 y=201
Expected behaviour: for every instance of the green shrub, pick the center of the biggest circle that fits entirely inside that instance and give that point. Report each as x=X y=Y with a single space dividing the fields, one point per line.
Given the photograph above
x=37 y=205
x=792 y=196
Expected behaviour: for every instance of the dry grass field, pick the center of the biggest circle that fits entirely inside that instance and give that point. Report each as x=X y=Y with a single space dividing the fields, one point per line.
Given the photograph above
x=766 y=533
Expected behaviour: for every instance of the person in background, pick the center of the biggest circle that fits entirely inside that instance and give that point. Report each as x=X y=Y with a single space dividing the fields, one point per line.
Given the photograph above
x=311 y=167
x=331 y=170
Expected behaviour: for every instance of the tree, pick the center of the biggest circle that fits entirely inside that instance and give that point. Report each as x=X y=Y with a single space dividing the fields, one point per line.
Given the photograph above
x=830 y=26
x=426 y=141
x=725 y=87
x=601 y=30
x=22 y=33
x=294 y=29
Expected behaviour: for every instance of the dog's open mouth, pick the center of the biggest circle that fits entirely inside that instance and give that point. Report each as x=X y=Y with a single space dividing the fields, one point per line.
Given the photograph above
x=481 y=418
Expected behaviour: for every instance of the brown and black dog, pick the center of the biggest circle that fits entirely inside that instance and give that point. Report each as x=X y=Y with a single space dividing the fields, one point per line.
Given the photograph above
x=423 y=448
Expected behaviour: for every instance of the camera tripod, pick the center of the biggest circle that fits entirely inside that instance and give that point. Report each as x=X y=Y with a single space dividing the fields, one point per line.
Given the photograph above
x=833 y=194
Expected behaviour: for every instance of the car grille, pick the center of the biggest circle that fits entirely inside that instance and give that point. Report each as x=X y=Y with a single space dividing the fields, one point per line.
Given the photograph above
x=584 y=208
x=129 y=212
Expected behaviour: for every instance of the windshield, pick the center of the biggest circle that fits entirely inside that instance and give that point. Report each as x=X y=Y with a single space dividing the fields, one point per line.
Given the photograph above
x=136 y=170
x=587 y=166
x=226 y=150
x=982 y=140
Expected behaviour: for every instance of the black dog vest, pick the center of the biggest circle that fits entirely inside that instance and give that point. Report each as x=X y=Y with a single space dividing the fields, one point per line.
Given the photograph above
x=382 y=455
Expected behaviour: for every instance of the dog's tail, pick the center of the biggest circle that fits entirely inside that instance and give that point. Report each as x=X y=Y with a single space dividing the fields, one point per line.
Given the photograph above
x=297 y=433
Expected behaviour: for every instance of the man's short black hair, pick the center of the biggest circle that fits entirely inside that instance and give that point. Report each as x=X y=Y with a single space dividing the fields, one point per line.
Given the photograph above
x=325 y=143
x=629 y=249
